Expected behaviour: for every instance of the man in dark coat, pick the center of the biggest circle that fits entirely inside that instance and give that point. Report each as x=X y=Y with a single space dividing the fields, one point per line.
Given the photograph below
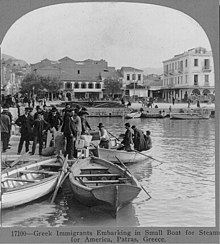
x=70 y=133
x=7 y=112
x=127 y=141
x=26 y=122
x=54 y=119
x=85 y=125
x=139 y=140
x=39 y=129
x=5 y=131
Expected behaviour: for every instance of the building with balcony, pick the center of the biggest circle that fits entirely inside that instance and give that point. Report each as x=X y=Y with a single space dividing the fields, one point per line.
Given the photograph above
x=189 y=74
x=133 y=82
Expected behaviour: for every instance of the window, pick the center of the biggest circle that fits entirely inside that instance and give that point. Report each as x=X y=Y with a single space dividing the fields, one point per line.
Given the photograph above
x=186 y=79
x=78 y=71
x=97 y=85
x=206 y=79
x=68 y=85
x=172 y=67
x=83 y=85
x=139 y=76
x=76 y=85
x=90 y=85
x=178 y=79
x=196 y=80
x=206 y=64
x=175 y=65
x=133 y=76
x=195 y=62
x=186 y=63
x=128 y=77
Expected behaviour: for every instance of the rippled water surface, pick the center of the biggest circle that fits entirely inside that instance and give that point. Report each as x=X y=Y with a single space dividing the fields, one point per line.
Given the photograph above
x=182 y=188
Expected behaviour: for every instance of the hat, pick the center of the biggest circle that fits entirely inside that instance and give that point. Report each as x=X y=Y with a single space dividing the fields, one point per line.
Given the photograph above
x=127 y=124
x=133 y=126
x=100 y=125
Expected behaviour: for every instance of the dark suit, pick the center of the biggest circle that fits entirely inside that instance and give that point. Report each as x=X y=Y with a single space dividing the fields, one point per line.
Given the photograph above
x=55 y=121
x=26 y=124
x=127 y=141
x=70 y=132
x=39 y=126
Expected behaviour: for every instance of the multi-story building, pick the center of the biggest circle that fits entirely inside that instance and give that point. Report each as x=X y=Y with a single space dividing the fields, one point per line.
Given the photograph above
x=189 y=74
x=133 y=82
x=81 y=79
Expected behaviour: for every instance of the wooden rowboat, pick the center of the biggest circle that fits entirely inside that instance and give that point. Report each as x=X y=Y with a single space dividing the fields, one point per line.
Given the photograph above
x=97 y=182
x=126 y=157
x=154 y=115
x=29 y=181
x=133 y=115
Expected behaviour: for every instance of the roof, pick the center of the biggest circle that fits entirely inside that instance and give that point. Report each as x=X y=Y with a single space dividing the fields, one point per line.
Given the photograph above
x=131 y=69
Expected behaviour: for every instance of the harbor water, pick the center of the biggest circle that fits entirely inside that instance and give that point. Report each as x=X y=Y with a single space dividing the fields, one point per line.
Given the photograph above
x=182 y=188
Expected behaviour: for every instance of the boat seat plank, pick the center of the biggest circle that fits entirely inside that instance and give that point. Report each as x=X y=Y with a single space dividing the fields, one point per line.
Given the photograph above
x=39 y=172
x=51 y=165
x=101 y=181
x=98 y=175
x=19 y=179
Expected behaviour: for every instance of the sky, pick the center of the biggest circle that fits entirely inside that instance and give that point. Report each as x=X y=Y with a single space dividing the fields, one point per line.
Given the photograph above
x=124 y=34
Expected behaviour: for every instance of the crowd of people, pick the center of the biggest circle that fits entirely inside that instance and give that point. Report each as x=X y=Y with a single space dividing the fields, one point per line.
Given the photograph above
x=71 y=122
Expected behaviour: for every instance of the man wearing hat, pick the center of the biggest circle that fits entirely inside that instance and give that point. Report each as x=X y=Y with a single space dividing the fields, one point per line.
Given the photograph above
x=39 y=129
x=26 y=122
x=104 y=137
x=7 y=112
x=127 y=141
x=54 y=119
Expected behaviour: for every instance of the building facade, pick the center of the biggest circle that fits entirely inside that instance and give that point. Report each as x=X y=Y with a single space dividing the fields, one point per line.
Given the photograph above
x=133 y=82
x=81 y=79
x=189 y=75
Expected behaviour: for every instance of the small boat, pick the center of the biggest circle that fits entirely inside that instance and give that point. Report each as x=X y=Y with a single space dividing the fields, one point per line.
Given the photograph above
x=193 y=114
x=126 y=157
x=30 y=181
x=97 y=182
x=153 y=115
x=133 y=115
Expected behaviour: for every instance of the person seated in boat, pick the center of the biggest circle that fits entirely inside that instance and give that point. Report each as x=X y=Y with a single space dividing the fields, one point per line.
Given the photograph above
x=127 y=142
x=148 y=140
x=104 y=137
x=139 y=140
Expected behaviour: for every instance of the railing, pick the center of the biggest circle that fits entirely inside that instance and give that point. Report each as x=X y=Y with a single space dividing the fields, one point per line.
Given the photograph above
x=206 y=68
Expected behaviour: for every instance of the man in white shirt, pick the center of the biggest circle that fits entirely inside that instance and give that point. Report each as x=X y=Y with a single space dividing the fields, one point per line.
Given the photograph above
x=104 y=137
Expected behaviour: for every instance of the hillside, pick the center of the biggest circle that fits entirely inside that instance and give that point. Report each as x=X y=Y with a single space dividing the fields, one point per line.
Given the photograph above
x=151 y=70
x=14 y=60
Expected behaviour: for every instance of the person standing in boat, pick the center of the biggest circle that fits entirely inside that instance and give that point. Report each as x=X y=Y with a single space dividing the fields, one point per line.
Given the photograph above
x=127 y=142
x=139 y=140
x=148 y=140
x=104 y=137
x=26 y=122
x=77 y=121
x=39 y=129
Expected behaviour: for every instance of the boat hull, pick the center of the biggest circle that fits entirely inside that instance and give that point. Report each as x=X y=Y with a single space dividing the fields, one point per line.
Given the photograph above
x=184 y=116
x=133 y=116
x=15 y=193
x=124 y=156
x=153 y=115
x=111 y=197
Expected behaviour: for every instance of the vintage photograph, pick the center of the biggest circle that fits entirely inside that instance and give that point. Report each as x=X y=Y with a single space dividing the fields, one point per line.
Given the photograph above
x=107 y=118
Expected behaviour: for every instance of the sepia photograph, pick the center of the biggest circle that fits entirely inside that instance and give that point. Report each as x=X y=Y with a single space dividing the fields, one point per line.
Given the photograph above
x=108 y=119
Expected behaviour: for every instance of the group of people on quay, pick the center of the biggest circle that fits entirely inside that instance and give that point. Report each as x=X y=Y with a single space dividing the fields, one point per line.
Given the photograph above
x=71 y=123
x=133 y=138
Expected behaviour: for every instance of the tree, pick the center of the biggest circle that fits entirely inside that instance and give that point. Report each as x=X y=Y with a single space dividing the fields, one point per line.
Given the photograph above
x=112 y=86
x=34 y=83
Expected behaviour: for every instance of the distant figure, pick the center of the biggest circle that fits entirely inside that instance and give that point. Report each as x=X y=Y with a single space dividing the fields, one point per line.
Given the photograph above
x=148 y=140
x=5 y=131
x=173 y=99
x=170 y=108
x=198 y=104
x=189 y=103
x=156 y=106
x=104 y=137
x=128 y=104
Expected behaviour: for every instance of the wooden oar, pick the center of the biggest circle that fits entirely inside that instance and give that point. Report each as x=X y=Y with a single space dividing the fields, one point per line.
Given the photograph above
x=148 y=156
x=113 y=135
x=130 y=173
x=62 y=175
x=21 y=158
